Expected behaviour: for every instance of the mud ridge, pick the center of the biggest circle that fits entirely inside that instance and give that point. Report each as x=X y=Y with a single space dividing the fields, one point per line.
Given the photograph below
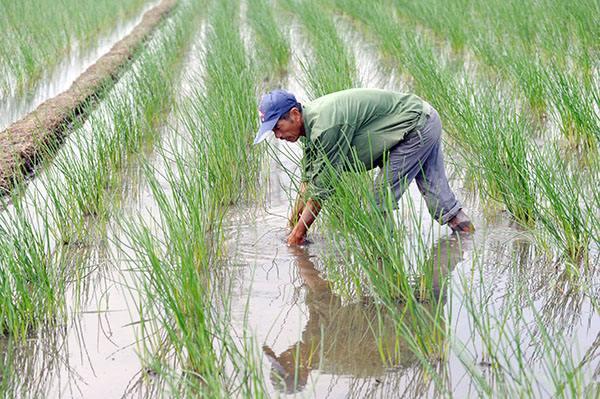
x=24 y=142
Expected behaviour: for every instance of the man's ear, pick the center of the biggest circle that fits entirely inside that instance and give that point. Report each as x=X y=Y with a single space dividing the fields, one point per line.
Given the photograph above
x=296 y=113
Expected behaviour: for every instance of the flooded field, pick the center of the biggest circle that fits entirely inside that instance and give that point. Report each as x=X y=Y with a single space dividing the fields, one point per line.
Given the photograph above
x=148 y=257
x=16 y=105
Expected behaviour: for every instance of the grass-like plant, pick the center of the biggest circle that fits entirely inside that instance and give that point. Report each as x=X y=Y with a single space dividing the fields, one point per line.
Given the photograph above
x=493 y=141
x=75 y=188
x=379 y=253
x=207 y=163
x=541 y=55
x=31 y=290
x=332 y=67
x=37 y=35
x=273 y=47
x=487 y=128
x=567 y=209
x=205 y=167
x=574 y=100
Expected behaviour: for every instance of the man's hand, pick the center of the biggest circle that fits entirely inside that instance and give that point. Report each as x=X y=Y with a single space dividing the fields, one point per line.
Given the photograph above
x=310 y=212
x=295 y=239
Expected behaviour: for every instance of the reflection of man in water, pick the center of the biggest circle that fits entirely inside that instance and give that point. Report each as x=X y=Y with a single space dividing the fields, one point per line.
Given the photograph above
x=349 y=339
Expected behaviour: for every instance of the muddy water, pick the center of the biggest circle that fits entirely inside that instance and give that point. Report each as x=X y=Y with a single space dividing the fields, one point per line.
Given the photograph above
x=283 y=297
x=285 y=303
x=14 y=106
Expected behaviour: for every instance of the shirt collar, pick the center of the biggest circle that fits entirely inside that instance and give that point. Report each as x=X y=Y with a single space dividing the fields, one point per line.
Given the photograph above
x=309 y=121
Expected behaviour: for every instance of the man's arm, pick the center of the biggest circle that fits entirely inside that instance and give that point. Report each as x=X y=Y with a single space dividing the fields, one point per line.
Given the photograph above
x=298 y=206
x=309 y=214
x=328 y=151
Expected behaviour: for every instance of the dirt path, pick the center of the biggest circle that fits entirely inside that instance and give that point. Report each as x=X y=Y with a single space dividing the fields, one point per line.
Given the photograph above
x=23 y=142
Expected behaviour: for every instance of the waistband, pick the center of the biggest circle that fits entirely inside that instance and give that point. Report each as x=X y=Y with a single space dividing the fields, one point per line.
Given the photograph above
x=425 y=114
x=427 y=108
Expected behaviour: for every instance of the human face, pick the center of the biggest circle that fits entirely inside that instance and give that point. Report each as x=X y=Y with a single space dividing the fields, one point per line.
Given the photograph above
x=290 y=129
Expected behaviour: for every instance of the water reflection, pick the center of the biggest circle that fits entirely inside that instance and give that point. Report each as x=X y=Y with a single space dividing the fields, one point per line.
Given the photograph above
x=360 y=339
x=559 y=292
x=30 y=368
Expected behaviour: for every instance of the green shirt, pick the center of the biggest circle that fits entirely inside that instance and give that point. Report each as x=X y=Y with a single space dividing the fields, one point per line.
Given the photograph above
x=351 y=130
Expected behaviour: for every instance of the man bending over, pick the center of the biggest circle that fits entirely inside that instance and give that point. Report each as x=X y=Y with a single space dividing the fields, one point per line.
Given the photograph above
x=360 y=129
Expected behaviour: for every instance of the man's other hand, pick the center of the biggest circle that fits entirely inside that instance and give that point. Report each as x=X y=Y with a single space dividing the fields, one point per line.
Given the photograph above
x=295 y=239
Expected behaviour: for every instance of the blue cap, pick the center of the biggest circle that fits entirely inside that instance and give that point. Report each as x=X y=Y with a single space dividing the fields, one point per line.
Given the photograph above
x=273 y=106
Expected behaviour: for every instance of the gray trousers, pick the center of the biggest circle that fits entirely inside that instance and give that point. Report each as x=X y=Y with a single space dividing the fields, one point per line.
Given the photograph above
x=419 y=156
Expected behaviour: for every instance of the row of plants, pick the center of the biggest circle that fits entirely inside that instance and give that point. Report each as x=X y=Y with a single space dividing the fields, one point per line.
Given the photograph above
x=37 y=35
x=330 y=66
x=206 y=163
x=379 y=256
x=49 y=223
x=562 y=31
x=272 y=46
x=207 y=166
x=549 y=57
x=491 y=139
x=82 y=187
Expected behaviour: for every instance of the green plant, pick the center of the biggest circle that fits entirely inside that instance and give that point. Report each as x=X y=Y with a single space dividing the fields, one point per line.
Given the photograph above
x=38 y=35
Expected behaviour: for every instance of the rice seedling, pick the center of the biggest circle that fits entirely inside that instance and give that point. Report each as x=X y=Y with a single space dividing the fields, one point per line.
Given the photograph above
x=511 y=348
x=566 y=205
x=31 y=291
x=180 y=267
x=505 y=37
x=376 y=255
x=500 y=152
x=563 y=32
x=180 y=286
x=82 y=182
x=488 y=130
x=373 y=255
x=269 y=39
x=517 y=341
x=574 y=100
x=183 y=297
x=332 y=67
x=87 y=172
x=496 y=141
x=225 y=102
x=77 y=184
x=37 y=35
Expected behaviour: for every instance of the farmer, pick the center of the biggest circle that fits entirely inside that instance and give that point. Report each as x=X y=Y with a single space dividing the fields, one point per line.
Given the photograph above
x=360 y=129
